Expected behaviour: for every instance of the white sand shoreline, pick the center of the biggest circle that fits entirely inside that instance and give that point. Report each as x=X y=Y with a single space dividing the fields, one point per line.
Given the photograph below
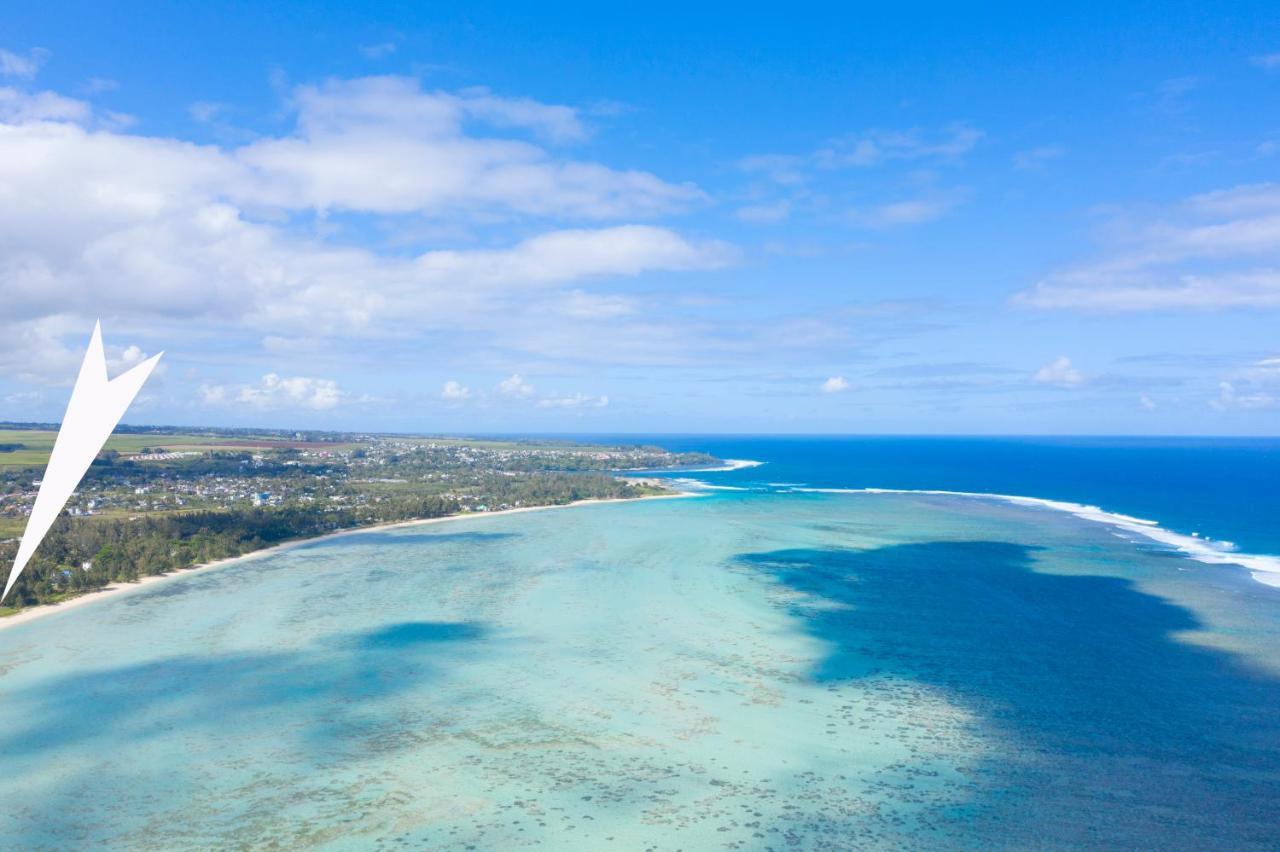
x=35 y=612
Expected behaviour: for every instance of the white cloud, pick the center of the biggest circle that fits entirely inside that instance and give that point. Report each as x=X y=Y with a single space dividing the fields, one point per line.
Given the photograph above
x=1229 y=397
x=275 y=391
x=835 y=384
x=583 y=305
x=554 y=122
x=911 y=212
x=18 y=107
x=1265 y=370
x=120 y=360
x=1217 y=250
x=170 y=226
x=515 y=386
x=16 y=65
x=1147 y=403
x=1060 y=372
x=573 y=254
x=577 y=400
x=381 y=144
x=864 y=149
x=158 y=232
x=1258 y=289
x=873 y=147
x=454 y=391
x=1269 y=61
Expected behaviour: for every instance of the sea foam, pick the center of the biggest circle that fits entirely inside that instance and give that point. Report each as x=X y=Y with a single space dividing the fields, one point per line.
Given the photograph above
x=729 y=464
x=1264 y=568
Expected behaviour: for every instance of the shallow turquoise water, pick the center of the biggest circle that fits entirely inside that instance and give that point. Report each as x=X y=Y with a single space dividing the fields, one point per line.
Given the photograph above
x=740 y=670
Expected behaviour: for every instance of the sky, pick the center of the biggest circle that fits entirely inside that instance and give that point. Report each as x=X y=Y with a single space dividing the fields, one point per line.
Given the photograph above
x=678 y=218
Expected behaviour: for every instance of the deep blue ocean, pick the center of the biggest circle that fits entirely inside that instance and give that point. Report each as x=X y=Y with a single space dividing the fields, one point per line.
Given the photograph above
x=1227 y=489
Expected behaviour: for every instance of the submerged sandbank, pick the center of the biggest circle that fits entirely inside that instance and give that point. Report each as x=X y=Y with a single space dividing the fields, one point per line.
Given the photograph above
x=32 y=613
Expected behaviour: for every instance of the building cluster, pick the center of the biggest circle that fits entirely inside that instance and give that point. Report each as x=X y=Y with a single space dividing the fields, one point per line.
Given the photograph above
x=363 y=471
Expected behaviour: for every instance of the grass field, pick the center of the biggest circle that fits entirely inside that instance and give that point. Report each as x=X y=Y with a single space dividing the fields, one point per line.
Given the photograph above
x=37 y=444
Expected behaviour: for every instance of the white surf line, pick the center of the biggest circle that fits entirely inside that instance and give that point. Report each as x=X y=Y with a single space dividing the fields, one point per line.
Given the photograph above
x=729 y=464
x=699 y=485
x=1264 y=568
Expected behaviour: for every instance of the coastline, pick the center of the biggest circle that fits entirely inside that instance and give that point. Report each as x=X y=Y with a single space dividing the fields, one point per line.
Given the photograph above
x=24 y=616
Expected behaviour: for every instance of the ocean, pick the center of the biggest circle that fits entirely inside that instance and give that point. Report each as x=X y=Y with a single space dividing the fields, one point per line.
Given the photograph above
x=785 y=661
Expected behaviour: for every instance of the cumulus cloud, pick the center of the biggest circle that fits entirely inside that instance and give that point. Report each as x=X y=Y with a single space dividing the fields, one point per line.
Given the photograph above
x=275 y=391
x=835 y=384
x=515 y=386
x=1060 y=372
x=97 y=221
x=1218 y=250
x=382 y=144
x=454 y=392
x=1255 y=386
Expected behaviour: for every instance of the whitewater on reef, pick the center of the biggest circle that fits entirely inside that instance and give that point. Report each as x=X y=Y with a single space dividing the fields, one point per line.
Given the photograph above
x=1264 y=568
x=729 y=465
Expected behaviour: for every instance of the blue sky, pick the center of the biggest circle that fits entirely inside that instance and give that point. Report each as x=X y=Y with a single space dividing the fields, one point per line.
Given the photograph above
x=805 y=219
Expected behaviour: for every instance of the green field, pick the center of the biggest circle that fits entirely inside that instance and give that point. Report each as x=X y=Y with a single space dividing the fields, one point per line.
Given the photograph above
x=38 y=443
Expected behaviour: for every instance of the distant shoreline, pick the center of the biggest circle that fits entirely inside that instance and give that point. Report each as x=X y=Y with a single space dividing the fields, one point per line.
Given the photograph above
x=32 y=613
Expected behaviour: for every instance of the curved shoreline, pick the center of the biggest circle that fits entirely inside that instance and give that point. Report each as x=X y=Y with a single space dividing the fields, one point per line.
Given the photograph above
x=29 y=614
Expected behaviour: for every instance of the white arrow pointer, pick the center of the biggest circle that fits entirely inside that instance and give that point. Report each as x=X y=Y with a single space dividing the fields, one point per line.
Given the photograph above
x=96 y=406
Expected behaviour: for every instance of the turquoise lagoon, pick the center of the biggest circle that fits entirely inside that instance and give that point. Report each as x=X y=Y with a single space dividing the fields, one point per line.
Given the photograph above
x=739 y=670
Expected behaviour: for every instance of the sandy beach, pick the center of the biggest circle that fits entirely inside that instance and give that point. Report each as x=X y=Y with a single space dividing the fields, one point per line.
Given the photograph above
x=32 y=613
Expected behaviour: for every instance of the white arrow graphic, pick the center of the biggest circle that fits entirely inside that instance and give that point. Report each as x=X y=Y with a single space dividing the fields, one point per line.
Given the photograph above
x=96 y=406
